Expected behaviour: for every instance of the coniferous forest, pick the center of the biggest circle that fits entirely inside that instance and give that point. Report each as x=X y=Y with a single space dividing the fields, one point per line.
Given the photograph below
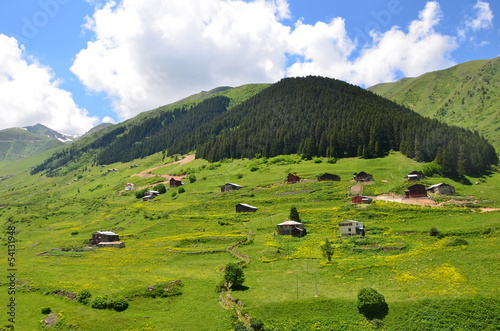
x=312 y=116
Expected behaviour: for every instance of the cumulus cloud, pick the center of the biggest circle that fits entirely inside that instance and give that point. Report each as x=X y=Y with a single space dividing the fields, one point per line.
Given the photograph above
x=326 y=50
x=30 y=94
x=146 y=54
x=483 y=19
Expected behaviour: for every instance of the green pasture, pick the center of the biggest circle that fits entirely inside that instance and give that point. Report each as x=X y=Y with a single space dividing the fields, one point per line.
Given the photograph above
x=289 y=284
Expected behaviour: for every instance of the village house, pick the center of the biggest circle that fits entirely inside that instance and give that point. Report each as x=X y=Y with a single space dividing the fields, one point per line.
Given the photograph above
x=415 y=175
x=351 y=228
x=129 y=187
x=361 y=199
x=244 y=208
x=441 y=188
x=416 y=191
x=363 y=177
x=292 y=179
x=329 y=177
x=229 y=187
x=106 y=239
x=175 y=182
x=291 y=228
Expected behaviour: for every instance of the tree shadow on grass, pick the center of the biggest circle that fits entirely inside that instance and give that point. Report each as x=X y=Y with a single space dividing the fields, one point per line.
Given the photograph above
x=240 y=288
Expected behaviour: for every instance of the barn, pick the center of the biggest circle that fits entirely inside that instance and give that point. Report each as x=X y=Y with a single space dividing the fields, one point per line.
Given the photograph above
x=175 y=182
x=361 y=199
x=415 y=175
x=351 y=228
x=229 y=187
x=106 y=239
x=328 y=177
x=441 y=188
x=416 y=191
x=291 y=179
x=291 y=228
x=363 y=177
x=244 y=208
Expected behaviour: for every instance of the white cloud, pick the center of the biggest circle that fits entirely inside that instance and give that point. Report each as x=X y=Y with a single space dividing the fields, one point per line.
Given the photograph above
x=326 y=50
x=483 y=19
x=150 y=53
x=147 y=54
x=29 y=94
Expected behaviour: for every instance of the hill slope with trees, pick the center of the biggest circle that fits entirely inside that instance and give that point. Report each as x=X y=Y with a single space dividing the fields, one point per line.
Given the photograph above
x=312 y=116
x=466 y=95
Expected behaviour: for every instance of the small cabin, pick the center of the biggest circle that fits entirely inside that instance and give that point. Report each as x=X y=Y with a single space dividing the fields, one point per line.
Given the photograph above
x=351 y=228
x=148 y=197
x=441 y=188
x=363 y=177
x=416 y=191
x=244 y=208
x=129 y=187
x=415 y=175
x=329 y=177
x=175 y=182
x=361 y=199
x=292 y=179
x=106 y=239
x=291 y=228
x=229 y=187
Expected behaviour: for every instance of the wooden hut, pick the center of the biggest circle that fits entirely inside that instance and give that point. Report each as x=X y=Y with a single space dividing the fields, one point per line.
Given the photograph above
x=244 y=208
x=329 y=177
x=106 y=239
x=292 y=179
x=291 y=228
x=363 y=177
x=361 y=199
x=441 y=188
x=416 y=191
x=229 y=187
x=351 y=228
x=175 y=182
x=415 y=175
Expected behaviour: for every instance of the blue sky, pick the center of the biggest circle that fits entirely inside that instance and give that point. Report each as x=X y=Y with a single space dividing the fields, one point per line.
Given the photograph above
x=72 y=64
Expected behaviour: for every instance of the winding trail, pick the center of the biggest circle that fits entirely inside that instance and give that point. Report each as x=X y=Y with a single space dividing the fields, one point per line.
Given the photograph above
x=146 y=173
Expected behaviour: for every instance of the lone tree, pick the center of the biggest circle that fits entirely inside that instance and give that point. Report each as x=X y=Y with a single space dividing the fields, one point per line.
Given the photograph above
x=327 y=250
x=294 y=214
x=233 y=275
x=372 y=304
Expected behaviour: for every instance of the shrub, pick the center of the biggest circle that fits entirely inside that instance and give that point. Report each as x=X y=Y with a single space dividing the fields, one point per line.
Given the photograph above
x=160 y=188
x=119 y=304
x=140 y=193
x=99 y=302
x=192 y=178
x=181 y=190
x=434 y=232
x=46 y=310
x=84 y=296
x=372 y=304
x=164 y=290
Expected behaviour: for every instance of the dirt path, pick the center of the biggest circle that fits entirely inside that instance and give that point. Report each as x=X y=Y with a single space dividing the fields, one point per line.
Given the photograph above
x=146 y=173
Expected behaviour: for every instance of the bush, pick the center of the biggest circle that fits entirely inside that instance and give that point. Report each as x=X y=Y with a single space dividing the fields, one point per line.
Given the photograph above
x=99 y=302
x=160 y=188
x=372 y=304
x=192 y=178
x=434 y=232
x=119 y=304
x=46 y=310
x=181 y=190
x=140 y=193
x=84 y=296
x=164 y=290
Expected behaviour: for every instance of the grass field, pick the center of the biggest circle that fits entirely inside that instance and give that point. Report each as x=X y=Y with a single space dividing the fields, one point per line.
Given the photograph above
x=429 y=282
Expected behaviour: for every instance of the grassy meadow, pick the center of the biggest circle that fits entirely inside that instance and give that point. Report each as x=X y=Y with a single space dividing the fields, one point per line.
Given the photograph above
x=429 y=282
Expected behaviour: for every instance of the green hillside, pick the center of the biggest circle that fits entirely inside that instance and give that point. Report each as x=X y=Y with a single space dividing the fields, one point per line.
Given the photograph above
x=311 y=116
x=449 y=281
x=466 y=95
